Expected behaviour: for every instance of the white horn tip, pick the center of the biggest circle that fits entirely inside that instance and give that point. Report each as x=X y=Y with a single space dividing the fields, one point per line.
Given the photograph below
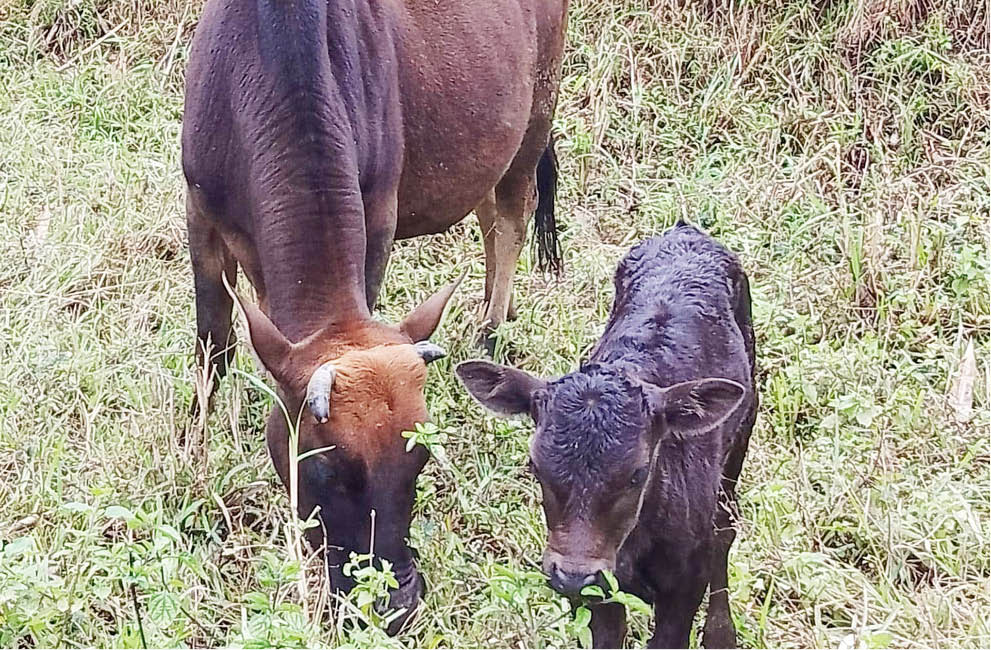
x=429 y=352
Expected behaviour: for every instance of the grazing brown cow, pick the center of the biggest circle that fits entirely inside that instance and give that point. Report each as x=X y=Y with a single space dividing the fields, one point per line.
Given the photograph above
x=315 y=132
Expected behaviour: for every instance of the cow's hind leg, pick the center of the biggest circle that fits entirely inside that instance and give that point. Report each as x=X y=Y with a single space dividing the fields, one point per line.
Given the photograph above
x=211 y=259
x=515 y=199
x=488 y=215
x=514 y=203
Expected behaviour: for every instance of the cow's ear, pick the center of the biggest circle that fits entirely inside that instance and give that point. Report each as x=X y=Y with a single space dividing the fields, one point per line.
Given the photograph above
x=269 y=344
x=504 y=390
x=420 y=324
x=693 y=407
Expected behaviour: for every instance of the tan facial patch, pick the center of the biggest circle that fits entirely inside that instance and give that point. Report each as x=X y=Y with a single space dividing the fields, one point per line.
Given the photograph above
x=378 y=393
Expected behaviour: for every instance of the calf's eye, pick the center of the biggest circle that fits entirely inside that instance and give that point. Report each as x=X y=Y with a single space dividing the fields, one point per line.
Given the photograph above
x=639 y=477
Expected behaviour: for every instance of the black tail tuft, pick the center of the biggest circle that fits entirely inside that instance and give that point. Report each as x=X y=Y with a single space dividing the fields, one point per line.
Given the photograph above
x=544 y=225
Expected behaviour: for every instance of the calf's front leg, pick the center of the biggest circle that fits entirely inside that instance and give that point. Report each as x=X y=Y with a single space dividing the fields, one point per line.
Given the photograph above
x=673 y=617
x=608 y=625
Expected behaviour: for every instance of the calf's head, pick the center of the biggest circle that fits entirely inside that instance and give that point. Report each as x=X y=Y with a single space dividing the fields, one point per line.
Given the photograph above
x=354 y=388
x=597 y=436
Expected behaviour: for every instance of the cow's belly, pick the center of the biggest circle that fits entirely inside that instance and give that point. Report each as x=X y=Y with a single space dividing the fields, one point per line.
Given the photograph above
x=466 y=79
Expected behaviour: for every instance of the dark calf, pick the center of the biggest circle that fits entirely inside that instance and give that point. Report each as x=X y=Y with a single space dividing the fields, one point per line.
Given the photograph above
x=639 y=451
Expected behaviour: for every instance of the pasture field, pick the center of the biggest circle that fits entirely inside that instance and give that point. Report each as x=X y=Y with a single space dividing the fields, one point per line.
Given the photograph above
x=840 y=147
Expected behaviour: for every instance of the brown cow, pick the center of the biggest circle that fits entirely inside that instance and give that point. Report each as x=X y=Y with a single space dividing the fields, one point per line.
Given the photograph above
x=315 y=132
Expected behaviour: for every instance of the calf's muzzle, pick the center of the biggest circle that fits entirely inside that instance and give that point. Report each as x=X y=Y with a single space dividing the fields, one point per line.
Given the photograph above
x=569 y=575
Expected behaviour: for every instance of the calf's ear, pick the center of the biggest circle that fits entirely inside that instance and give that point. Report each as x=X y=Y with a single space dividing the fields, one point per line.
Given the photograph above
x=507 y=391
x=694 y=407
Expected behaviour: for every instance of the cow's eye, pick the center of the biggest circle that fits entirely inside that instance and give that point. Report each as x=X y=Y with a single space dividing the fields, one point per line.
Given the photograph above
x=328 y=474
x=639 y=477
x=322 y=470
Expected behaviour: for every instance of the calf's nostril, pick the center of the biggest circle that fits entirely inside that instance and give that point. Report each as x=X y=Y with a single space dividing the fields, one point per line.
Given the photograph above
x=567 y=582
x=557 y=578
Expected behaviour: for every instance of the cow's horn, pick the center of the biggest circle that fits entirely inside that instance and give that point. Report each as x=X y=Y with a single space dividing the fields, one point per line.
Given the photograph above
x=318 y=391
x=429 y=352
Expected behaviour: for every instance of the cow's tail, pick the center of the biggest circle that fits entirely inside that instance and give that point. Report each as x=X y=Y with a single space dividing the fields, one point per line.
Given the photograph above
x=544 y=223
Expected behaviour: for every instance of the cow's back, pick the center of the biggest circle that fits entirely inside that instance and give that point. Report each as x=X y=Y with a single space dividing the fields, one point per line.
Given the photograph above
x=285 y=99
x=495 y=63
x=470 y=79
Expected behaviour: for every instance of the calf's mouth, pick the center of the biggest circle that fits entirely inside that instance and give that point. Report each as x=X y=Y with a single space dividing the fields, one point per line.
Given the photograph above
x=569 y=575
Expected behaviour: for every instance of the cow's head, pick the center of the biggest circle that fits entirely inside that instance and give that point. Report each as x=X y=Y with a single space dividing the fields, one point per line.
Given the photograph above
x=355 y=387
x=597 y=435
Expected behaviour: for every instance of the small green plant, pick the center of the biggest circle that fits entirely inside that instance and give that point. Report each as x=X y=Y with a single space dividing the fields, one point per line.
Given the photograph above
x=613 y=594
x=579 y=626
x=370 y=595
x=30 y=595
x=582 y=615
x=853 y=407
x=538 y=609
x=970 y=272
x=430 y=436
x=516 y=588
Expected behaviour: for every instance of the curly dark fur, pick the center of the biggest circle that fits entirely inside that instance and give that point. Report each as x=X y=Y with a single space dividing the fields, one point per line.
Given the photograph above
x=682 y=313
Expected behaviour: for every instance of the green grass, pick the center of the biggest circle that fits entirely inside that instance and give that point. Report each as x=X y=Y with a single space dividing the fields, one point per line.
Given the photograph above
x=840 y=149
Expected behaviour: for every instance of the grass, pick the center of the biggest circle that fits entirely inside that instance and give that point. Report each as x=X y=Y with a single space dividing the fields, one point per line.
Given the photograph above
x=840 y=147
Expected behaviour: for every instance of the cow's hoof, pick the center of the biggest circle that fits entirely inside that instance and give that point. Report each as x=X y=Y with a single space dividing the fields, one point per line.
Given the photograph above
x=487 y=340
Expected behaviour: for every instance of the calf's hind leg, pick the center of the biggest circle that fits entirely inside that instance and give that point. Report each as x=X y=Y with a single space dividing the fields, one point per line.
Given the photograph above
x=211 y=259
x=719 y=629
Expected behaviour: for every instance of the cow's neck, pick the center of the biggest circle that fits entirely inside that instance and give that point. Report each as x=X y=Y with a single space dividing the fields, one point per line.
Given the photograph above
x=310 y=223
x=312 y=254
